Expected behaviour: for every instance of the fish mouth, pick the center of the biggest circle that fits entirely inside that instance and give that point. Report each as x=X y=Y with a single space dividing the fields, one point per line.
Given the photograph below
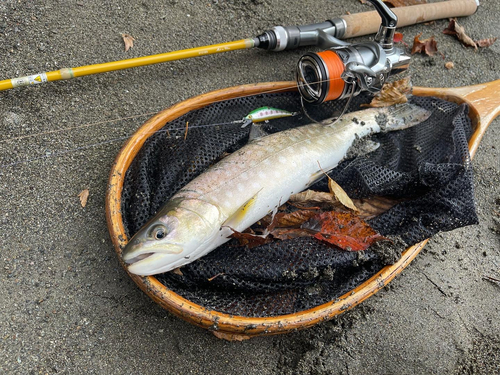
x=154 y=263
x=137 y=258
x=146 y=262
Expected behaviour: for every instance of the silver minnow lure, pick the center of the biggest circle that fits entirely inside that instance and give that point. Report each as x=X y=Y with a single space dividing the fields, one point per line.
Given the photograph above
x=267 y=113
x=262 y=114
x=248 y=184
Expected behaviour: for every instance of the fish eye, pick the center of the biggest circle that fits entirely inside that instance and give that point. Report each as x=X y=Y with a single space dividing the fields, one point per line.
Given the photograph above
x=158 y=232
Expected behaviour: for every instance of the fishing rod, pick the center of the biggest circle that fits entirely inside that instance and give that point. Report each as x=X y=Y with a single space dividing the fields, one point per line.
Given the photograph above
x=278 y=38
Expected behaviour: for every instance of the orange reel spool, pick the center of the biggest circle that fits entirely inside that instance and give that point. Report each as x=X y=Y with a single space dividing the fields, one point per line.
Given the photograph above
x=335 y=68
x=319 y=77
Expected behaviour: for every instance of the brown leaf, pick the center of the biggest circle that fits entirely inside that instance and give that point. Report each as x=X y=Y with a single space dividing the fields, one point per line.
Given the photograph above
x=455 y=29
x=249 y=239
x=343 y=229
x=84 y=196
x=230 y=336
x=177 y=271
x=288 y=234
x=449 y=65
x=426 y=46
x=374 y=206
x=392 y=93
x=485 y=42
x=311 y=197
x=340 y=194
x=128 y=40
x=291 y=219
x=404 y=3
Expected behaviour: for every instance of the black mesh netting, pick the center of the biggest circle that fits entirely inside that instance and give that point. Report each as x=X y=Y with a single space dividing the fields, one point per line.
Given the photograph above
x=428 y=165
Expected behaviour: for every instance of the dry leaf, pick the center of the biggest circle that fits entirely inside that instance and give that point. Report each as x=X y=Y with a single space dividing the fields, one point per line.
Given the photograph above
x=343 y=229
x=230 y=336
x=250 y=239
x=426 y=46
x=84 y=196
x=485 y=42
x=128 y=40
x=457 y=30
x=292 y=219
x=177 y=271
x=404 y=3
x=392 y=93
x=449 y=65
x=398 y=37
x=374 y=206
x=311 y=197
x=340 y=194
x=288 y=234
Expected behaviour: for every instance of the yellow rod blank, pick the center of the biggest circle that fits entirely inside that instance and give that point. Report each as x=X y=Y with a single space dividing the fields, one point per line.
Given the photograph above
x=86 y=70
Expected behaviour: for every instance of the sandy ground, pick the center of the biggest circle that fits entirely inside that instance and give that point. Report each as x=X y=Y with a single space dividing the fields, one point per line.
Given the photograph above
x=66 y=305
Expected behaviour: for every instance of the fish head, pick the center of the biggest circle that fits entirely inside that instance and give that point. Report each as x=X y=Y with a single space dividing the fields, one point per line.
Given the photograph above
x=177 y=235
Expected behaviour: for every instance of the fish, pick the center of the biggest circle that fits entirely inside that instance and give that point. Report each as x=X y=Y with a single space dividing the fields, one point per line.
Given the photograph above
x=253 y=181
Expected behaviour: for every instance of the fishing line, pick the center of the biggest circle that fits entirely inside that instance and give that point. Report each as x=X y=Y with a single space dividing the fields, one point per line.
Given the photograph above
x=84 y=147
x=92 y=145
x=74 y=127
x=132 y=117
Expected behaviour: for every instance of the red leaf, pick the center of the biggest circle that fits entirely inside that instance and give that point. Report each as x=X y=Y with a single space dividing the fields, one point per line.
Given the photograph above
x=344 y=230
x=398 y=37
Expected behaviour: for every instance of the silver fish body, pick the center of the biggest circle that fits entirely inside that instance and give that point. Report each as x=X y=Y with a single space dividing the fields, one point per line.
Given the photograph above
x=250 y=183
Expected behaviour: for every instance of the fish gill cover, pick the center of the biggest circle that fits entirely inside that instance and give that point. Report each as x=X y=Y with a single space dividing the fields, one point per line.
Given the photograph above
x=427 y=165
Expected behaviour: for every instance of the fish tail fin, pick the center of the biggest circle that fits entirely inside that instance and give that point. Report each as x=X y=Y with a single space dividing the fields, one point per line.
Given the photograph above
x=402 y=116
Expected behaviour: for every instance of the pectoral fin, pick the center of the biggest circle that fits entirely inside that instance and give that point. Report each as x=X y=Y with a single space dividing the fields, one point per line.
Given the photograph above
x=239 y=215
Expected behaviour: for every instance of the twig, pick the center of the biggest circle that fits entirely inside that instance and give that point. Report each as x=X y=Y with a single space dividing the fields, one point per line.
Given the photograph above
x=491 y=279
x=433 y=283
x=186 y=132
x=213 y=277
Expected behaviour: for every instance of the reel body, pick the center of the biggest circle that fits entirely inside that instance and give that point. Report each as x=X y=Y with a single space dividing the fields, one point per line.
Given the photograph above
x=344 y=70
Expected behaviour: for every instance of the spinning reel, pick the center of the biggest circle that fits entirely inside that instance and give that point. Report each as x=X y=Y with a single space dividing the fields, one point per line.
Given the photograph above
x=344 y=70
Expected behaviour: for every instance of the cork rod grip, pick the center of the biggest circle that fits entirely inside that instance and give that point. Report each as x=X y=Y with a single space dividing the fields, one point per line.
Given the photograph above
x=368 y=22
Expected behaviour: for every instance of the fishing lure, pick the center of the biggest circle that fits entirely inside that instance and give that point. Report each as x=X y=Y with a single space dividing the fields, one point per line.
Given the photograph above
x=262 y=114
